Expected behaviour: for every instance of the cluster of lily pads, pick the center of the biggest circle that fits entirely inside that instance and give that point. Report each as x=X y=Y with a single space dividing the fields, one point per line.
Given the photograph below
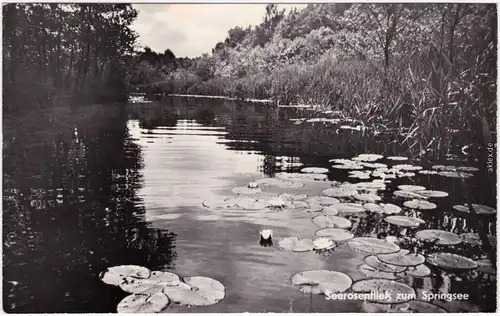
x=386 y=262
x=381 y=170
x=152 y=291
x=342 y=123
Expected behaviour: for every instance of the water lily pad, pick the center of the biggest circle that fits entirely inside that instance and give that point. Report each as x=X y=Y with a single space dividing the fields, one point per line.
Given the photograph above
x=374 y=262
x=408 y=195
x=373 y=165
x=326 y=221
x=440 y=237
x=420 y=271
x=406 y=167
x=367 y=197
x=374 y=208
x=322 y=200
x=411 y=188
x=313 y=207
x=471 y=239
x=262 y=196
x=268 y=182
x=420 y=205
x=479 y=209
x=382 y=174
x=397 y=158
x=143 y=304
x=314 y=170
x=402 y=258
x=153 y=284
x=382 y=208
x=322 y=281
x=246 y=190
x=372 y=272
x=451 y=261
x=467 y=169
x=322 y=243
x=397 y=292
x=339 y=192
x=442 y=167
x=293 y=197
x=405 y=174
x=427 y=172
x=455 y=174
x=367 y=157
x=335 y=234
x=331 y=210
x=302 y=176
x=359 y=174
x=201 y=291
x=351 y=128
x=432 y=193
x=349 y=166
x=341 y=161
x=392 y=239
x=297 y=205
x=372 y=245
x=323 y=120
x=296 y=244
x=210 y=289
x=251 y=204
x=217 y=204
x=376 y=184
x=416 y=306
x=279 y=183
x=114 y=275
x=404 y=221
x=349 y=208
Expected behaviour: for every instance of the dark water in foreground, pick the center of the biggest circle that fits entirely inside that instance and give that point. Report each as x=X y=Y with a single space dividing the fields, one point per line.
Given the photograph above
x=127 y=188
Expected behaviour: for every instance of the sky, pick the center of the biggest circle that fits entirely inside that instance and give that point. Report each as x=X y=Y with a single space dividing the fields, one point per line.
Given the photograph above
x=189 y=30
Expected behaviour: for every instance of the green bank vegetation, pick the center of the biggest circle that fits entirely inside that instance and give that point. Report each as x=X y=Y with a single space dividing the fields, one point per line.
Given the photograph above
x=424 y=70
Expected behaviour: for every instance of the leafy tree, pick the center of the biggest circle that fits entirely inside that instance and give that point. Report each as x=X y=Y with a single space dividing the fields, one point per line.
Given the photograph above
x=64 y=49
x=266 y=30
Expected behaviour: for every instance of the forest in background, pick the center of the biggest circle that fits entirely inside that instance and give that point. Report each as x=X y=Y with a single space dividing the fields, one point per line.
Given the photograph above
x=59 y=54
x=424 y=70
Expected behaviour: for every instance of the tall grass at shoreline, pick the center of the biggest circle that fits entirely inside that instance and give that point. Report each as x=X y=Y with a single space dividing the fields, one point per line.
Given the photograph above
x=424 y=103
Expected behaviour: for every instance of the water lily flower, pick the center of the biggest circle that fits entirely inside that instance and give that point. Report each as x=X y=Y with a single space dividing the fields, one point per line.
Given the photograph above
x=253 y=185
x=322 y=243
x=266 y=234
x=277 y=202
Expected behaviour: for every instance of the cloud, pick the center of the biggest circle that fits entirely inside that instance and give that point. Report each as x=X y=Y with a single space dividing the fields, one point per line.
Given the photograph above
x=190 y=30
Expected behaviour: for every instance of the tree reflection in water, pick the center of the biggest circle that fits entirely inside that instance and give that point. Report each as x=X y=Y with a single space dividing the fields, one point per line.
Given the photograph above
x=268 y=131
x=70 y=211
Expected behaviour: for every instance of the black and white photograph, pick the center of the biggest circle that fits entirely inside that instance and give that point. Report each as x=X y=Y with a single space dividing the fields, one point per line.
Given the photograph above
x=208 y=157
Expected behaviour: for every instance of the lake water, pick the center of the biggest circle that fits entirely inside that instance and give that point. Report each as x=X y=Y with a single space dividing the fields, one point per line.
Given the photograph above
x=124 y=184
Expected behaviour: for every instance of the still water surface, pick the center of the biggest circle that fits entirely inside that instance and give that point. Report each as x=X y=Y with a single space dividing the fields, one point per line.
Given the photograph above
x=124 y=185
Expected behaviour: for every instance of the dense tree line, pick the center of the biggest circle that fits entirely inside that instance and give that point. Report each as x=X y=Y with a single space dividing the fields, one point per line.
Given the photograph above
x=427 y=69
x=406 y=66
x=60 y=52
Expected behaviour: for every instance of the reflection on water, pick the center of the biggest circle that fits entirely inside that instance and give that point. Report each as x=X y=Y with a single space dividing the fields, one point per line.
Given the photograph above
x=71 y=210
x=124 y=185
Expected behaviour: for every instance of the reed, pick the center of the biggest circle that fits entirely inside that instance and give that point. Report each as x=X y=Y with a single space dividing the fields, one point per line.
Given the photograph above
x=431 y=104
